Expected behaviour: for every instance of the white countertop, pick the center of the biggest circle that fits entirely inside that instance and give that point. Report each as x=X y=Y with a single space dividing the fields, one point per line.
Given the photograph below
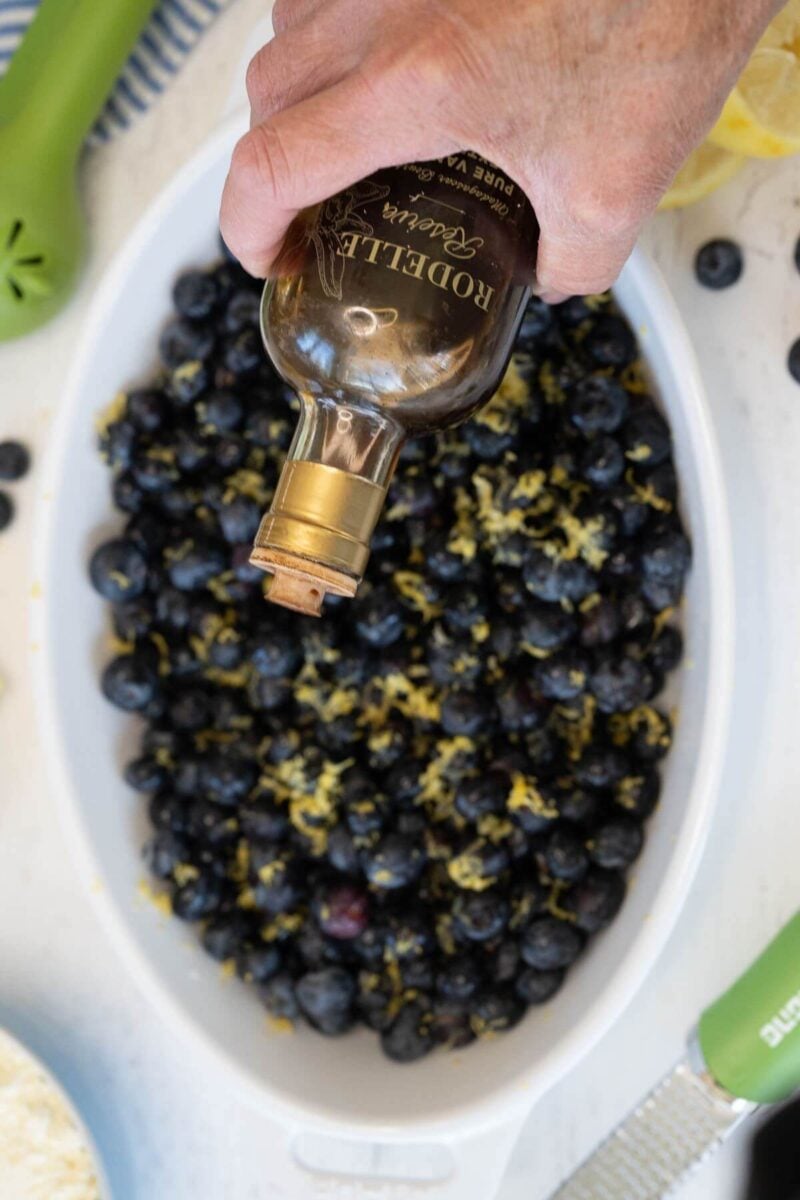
x=169 y=1126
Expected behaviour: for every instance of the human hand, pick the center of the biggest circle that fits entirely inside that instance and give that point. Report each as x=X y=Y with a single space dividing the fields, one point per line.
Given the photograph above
x=591 y=107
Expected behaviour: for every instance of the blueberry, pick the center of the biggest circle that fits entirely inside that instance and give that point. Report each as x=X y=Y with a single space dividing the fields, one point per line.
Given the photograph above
x=793 y=361
x=222 y=937
x=342 y=851
x=396 y=862
x=537 y=987
x=666 y=556
x=197 y=898
x=242 y=310
x=118 y=570
x=411 y=496
x=578 y=805
x=280 y=887
x=478 y=865
x=279 y=997
x=597 y=404
x=326 y=999
x=227 y=779
x=609 y=341
x=647 y=439
x=504 y=963
x=603 y=461
x=494 y=1012
x=164 y=852
x=194 y=563
x=128 y=496
x=600 y=624
x=230 y=451
x=227 y=650
x=269 y=695
x=145 y=774
x=403 y=783
x=210 y=826
x=563 y=676
x=617 y=844
x=130 y=682
x=486 y=443
x=573 y=312
x=192 y=452
x=186 y=382
x=482 y=795
x=275 y=655
x=449 y=1023
x=239 y=519
x=221 y=410
x=565 y=855
x=546 y=627
x=638 y=795
x=719 y=264
x=519 y=705
x=119 y=444
x=167 y=812
x=596 y=900
x=189 y=709
x=15 y=461
x=464 y=714
x=379 y=619
x=194 y=294
x=459 y=978
x=243 y=351
x=408 y=1038
x=481 y=916
x=618 y=683
x=600 y=767
x=147 y=410
x=182 y=341
x=258 y=963
x=549 y=944
x=666 y=650
x=537 y=320
x=154 y=472
x=553 y=579
x=343 y=912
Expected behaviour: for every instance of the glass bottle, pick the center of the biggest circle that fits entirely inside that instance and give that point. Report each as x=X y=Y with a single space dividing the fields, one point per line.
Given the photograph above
x=392 y=312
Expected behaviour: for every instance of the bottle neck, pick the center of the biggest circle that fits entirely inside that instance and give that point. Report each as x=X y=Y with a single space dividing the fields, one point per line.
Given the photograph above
x=316 y=536
x=347 y=437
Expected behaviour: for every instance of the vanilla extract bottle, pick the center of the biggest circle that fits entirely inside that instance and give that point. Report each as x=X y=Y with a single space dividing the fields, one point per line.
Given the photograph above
x=393 y=311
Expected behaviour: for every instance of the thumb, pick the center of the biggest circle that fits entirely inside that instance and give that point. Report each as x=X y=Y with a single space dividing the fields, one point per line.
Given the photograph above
x=305 y=154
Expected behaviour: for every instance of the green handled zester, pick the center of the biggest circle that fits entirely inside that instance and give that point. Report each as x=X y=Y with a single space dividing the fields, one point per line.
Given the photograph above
x=745 y=1053
x=50 y=96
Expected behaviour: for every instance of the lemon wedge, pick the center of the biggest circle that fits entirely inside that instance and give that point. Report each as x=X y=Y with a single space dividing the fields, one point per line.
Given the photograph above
x=706 y=169
x=761 y=117
x=783 y=32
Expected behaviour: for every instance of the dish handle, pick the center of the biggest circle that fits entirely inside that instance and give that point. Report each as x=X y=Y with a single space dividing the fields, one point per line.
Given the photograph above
x=307 y=1165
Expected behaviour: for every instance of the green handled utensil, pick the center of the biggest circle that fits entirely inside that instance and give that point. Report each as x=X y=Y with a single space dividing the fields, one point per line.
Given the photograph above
x=745 y=1053
x=50 y=96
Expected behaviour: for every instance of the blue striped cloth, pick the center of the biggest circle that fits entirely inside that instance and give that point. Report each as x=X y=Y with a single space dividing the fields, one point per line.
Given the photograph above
x=174 y=29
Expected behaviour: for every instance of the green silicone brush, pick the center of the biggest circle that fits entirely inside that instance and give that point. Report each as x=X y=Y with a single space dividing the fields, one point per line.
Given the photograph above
x=746 y=1053
x=50 y=97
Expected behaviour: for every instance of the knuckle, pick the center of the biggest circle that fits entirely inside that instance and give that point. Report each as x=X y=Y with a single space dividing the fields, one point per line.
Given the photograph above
x=256 y=77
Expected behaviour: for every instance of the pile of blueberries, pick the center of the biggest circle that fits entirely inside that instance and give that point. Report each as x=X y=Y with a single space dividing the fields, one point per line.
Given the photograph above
x=415 y=813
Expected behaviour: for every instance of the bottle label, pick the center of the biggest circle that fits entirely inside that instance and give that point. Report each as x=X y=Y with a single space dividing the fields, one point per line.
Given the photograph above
x=445 y=224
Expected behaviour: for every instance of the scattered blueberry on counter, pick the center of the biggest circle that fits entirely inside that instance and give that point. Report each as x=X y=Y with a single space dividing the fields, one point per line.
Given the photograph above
x=14 y=464
x=416 y=813
x=719 y=264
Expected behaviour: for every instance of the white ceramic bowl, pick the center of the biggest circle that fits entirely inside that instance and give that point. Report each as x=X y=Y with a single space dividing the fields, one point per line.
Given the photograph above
x=19 y=1049
x=346 y=1085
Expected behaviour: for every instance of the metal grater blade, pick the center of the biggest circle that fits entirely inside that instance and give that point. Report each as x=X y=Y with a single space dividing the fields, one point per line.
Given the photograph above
x=673 y=1130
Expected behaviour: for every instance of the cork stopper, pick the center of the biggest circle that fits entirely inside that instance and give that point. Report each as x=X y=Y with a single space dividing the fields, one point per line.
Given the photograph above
x=315 y=538
x=299 y=584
